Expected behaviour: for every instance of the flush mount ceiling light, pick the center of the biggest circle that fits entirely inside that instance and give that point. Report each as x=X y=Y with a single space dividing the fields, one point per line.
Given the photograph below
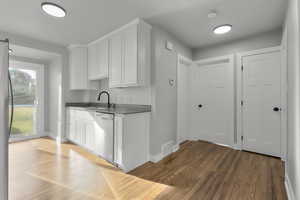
x=222 y=29
x=53 y=9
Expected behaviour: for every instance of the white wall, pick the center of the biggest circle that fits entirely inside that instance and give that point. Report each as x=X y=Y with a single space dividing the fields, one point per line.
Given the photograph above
x=264 y=40
x=292 y=45
x=164 y=96
x=54 y=100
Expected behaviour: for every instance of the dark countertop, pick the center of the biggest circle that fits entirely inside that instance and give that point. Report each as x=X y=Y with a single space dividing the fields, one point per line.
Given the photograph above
x=114 y=109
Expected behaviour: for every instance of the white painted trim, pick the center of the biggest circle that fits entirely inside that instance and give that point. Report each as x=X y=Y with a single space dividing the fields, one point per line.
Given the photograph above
x=239 y=97
x=133 y=22
x=176 y=147
x=260 y=51
x=220 y=59
x=19 y=139
x=158 y=157
x=180 y=60
x=284 y=98
x=289 y=189
x=56 y=138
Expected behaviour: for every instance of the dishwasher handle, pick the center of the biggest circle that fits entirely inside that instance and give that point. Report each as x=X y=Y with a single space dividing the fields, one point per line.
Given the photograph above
x=104 y=116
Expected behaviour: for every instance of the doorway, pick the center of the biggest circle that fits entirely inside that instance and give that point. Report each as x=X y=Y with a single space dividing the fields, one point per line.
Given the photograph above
x=261 y=102
x=28 y=115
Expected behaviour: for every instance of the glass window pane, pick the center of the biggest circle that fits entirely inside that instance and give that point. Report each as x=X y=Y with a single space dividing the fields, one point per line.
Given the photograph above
x=24 y=96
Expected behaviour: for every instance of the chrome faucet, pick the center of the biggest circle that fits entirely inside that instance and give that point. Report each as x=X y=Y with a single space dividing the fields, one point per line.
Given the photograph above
x=108 y=97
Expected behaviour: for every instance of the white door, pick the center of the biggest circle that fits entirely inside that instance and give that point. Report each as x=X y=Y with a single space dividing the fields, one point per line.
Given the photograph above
x=261 y=103
x=211 y=103
x=182 y=99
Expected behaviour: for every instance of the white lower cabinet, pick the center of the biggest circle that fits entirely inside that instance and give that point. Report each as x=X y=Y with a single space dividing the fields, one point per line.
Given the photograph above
x=90 y=135
x=120 y=139
x=131 y=140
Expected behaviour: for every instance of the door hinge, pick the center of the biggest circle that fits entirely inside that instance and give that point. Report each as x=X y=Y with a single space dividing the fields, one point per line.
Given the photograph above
x=242 y=103
x=242 y=68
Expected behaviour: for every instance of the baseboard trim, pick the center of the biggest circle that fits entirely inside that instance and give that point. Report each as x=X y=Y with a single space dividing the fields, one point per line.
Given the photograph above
x=158 y=157
x=289 y=188
x=57 y=139
x=237 y=147
x=176 y=147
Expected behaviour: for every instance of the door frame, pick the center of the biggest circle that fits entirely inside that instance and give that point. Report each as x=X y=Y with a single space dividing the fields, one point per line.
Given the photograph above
x=40 y=115
x=230 y=59
x=188 y=62
x=239 y=92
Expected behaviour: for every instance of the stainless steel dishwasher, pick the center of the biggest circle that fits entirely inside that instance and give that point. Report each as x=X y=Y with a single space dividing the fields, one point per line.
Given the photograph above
x=104 y=136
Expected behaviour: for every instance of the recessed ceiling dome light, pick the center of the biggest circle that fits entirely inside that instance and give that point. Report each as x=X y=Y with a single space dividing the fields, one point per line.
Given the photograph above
x=53 y=9
x=222 y=29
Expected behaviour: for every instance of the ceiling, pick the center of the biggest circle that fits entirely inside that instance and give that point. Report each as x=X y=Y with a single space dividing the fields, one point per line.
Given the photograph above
x=186 y=19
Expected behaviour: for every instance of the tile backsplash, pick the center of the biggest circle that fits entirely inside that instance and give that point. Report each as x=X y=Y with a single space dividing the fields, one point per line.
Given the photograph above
x=133 y=95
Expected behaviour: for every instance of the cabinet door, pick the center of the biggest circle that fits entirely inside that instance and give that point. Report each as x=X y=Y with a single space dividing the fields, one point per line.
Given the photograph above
x=82 y=134
x=71 y=130
x=93 y=64
x=103 y=49
x=130 y=53
x=115 y=68
x=78 y=69
x=90 y=136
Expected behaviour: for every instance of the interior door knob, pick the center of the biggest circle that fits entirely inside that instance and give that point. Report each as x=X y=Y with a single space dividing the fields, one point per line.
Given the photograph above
x=276 y=109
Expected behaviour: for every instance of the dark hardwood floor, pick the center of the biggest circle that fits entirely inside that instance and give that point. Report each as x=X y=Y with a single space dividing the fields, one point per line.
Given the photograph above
x=205 y=171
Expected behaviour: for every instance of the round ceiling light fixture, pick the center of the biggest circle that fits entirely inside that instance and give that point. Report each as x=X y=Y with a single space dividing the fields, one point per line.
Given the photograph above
x=53 y=9
x=225 y=28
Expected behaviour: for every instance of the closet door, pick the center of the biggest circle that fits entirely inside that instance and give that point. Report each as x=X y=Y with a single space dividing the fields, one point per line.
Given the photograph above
x=262 y=103
x=212 y=103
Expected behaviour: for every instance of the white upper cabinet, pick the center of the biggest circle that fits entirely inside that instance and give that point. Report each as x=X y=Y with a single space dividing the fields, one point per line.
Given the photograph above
x=130 y=55
x=115 y=65
x=78 y=69
x=122 y=56
x=98 y=59
x=130 y=65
